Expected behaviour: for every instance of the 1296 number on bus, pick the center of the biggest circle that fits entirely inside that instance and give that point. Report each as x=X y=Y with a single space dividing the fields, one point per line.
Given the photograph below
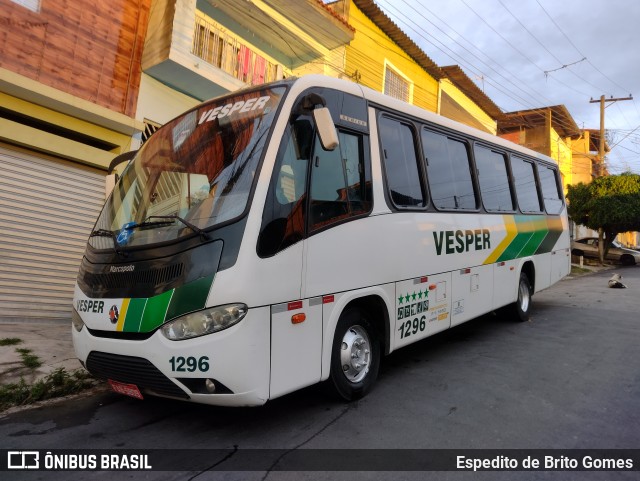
x=412 y=327
x=189 y=364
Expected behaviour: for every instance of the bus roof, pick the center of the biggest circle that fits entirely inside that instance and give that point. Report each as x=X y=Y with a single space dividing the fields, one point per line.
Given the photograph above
x=386 y=101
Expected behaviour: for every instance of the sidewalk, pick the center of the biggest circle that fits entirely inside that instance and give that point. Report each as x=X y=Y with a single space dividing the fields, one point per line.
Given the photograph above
x=588 y=266
x=49 y=342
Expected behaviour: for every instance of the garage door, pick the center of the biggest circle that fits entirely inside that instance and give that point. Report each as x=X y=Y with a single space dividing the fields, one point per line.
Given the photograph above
x=47 y=210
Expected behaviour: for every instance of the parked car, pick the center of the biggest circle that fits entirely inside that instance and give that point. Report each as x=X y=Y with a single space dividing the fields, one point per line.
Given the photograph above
x=588 y=247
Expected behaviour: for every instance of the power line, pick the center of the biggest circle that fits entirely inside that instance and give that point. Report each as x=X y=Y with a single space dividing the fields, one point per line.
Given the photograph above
x=456 y=58
x=547 y=72
x=500 y=88
x=577 y=49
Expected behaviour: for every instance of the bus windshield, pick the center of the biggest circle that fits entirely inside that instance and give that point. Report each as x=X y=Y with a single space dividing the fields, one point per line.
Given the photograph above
x=196 y=171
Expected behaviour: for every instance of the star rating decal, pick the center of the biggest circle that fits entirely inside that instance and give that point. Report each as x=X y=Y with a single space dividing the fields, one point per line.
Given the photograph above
x=412 y=296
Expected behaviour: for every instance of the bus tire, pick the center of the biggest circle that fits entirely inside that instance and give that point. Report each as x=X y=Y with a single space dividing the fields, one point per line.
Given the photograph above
x=521 y=309
x=355 y=355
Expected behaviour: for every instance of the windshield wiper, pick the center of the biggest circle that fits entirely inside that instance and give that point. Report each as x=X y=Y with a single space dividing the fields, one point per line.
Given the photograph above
x=194 y=228
x=114 y=237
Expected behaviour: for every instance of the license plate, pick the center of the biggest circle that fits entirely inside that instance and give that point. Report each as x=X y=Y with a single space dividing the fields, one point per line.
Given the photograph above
x=126 y=389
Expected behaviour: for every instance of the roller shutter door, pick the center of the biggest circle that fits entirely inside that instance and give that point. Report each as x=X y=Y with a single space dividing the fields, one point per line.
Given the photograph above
x=47 y=210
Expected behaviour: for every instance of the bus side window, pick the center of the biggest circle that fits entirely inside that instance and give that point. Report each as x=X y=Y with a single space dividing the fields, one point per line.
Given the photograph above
x=525 y=180
x=403 y=176
x=448 y=172
x=283 y=219
x=550 y=191
x=493 y=180
x=340 y=182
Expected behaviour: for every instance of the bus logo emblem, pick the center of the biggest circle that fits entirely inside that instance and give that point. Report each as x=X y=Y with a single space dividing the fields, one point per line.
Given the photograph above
x=114 y=314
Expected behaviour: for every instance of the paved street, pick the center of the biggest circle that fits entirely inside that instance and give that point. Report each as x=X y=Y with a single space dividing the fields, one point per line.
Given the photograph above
x=567 y=379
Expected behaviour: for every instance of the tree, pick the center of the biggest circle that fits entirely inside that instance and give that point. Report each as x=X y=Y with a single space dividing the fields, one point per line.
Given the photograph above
x=608 y=204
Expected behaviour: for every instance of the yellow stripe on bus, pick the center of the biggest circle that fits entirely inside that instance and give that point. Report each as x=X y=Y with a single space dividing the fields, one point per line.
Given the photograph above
x=123 y=314
x=511 y=231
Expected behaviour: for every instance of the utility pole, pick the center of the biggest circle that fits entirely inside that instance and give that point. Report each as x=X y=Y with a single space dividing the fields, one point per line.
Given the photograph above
x=602 y=102
x=601 y=239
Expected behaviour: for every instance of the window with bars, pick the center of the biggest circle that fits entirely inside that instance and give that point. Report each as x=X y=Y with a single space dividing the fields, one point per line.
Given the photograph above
x=213 y=44
x=149 y=129
x=169 y=183
x=395 y=85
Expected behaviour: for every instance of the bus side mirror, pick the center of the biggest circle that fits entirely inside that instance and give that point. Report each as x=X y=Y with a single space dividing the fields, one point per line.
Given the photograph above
x=326 y=128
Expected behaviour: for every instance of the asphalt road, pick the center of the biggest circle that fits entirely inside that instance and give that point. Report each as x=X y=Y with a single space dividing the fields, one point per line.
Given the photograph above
x=568 y=379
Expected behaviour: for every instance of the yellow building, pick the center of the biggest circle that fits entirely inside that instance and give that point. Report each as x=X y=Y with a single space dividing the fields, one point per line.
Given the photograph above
x=382 y=57
x=585 y=156
x=462 y=100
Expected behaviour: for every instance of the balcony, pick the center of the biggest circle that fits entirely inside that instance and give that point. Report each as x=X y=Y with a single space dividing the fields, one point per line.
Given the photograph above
x=217 y=47
x=302 y=30
x=206 y=48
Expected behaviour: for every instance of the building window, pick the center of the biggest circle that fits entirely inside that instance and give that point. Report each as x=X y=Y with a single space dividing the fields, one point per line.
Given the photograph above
x=214 y=44
x=33 y=5
x=150 y=128
x=397 y=85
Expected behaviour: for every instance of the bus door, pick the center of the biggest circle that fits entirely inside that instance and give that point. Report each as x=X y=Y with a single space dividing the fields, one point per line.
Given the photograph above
x=296 y=325
x=339 y=192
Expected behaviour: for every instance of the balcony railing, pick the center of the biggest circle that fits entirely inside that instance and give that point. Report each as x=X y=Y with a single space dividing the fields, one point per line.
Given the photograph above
x=216 y=47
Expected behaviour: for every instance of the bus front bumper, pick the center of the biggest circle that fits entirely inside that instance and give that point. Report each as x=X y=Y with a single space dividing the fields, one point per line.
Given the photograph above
x=226 y=368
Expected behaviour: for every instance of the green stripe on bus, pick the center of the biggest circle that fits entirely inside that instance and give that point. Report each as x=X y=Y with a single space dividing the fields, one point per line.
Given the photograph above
x=155 y=311
x=190 y=297
x=134 y=314
x=539 y=233
x=525 y=230
x=554 y=225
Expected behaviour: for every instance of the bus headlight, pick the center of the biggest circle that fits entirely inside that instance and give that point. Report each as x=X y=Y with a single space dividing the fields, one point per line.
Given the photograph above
x=204 y=322
x=77 y=321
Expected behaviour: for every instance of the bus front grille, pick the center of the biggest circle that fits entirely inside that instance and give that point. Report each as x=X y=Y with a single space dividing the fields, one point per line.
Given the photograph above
x=146 y=278
x=132 y=370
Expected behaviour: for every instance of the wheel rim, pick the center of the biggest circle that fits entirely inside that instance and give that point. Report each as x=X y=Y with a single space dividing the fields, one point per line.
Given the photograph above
x=524 y=296
x=355 y=354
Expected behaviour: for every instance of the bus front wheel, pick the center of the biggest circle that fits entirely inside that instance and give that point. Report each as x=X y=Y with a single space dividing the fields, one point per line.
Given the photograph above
x=355 y=355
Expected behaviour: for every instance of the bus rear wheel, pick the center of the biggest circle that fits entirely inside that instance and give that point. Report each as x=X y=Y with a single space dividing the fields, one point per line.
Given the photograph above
x=521 y=309
x=355 y=355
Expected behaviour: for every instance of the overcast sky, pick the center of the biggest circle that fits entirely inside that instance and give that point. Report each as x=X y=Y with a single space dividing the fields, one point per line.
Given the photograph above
x=520 y=52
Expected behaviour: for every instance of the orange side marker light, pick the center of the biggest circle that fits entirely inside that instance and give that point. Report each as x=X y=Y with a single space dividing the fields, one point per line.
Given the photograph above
x=298 y=318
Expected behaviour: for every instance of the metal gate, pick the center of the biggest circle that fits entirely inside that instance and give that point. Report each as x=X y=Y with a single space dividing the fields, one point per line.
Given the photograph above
x=47 y=210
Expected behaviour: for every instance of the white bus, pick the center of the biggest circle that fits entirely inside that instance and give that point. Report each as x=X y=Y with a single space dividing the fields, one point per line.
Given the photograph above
x=298 y=231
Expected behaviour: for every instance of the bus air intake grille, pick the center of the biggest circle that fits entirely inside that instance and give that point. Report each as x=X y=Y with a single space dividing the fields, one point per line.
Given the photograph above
x=132 y=370
x=147 y=278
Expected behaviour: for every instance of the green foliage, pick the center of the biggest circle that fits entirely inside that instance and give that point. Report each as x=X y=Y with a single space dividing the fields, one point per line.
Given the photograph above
x=610 y=204
x=59 y=383
x=10 y=341
x=29 y=360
